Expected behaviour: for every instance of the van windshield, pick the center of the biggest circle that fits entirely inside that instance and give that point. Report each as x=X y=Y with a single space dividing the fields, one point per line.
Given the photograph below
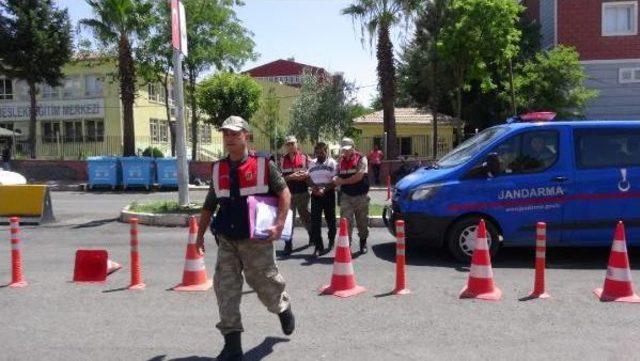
x=471 y=146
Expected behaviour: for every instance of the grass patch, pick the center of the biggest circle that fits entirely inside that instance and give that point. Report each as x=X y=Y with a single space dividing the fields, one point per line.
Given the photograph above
x=165 y=207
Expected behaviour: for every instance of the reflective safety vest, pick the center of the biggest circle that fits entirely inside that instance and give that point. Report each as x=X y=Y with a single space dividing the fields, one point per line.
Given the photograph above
x=251 y=178
x=349 y=167
x=289 y=166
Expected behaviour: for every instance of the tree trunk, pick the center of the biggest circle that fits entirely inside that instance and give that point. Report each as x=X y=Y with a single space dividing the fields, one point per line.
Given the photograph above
x=458 y=139
x=172 y=126
x=33 y=110
x=126 y=73
x=387 y=83
x=514 y=108
x=194 y=116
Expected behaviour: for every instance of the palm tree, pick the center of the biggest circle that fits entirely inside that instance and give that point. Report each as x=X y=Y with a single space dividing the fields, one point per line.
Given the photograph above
x=376 y=18
x=118 y=23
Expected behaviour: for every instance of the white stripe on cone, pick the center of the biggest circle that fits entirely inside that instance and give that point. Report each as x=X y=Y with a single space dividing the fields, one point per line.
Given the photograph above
x=342 y=269
x=540 y=254
x=481 y=244
x=15 y=246
x=619 y=246
x=194 y=265
x=619 y=274
x=478 y=271
x=541 y=243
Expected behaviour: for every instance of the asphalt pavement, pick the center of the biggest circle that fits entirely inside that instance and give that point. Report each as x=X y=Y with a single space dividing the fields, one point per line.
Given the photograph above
x=55 y=319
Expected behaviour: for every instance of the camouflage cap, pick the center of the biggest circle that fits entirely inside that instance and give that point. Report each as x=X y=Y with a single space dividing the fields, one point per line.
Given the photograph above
x=290 y=139
x=236 y=124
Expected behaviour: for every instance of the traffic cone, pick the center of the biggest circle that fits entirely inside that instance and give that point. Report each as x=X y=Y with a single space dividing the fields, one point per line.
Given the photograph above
x=617 y=283
x=401 y=279
x=194 y=277
x=112 y=266
x=136 y=269
x=17 y=278
x=90 y=266
x=541 y=250
x=480 y=284
x=343 y=281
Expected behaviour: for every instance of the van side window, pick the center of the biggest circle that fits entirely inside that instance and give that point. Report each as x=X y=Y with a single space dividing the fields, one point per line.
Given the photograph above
x=529 y=152
x=597 y=148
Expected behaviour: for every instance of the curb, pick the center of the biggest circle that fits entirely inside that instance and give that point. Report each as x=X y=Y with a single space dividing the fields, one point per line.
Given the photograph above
x=182 y=220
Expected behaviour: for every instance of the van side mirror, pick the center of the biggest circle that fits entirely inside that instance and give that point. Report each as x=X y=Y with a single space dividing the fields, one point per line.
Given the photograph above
x=492 y=164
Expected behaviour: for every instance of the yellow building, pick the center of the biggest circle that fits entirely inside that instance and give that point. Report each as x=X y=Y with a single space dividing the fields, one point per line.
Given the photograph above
x=83 y=117
x=414 y=129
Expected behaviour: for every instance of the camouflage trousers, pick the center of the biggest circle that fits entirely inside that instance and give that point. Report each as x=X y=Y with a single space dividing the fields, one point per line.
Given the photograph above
x=300 y=204
x=356 y=207
x=257 y=260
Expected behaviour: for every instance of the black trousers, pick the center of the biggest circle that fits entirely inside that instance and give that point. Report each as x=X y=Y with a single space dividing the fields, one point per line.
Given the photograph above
x=326 y=204
x=376 y=173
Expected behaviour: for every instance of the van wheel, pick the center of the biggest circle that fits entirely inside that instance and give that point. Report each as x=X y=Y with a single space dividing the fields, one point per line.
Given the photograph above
x=461 y=238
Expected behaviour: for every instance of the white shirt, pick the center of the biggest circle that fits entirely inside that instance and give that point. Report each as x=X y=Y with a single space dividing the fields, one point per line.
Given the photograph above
x=322 y=173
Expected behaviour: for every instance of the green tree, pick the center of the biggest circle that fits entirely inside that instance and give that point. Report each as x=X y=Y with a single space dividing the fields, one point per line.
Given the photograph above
x=267 y=119
x=322 y=110
x=478 y=35
x=121 y=24
x=226 y=94
x=216 y=38
x=35 y=43
x=156 y=59
x=553 y=80
x=376 y=18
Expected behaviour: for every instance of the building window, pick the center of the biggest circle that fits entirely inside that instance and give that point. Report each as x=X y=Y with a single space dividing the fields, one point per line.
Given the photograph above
x=71 y=87
x=152 y=89
x=6 y=89
x=50 y=92
x=73 y=131
x=50 y=132
x=94 y=130
x=629 y=75
x=93 y=85
x=159 y=130
x=405 y=145
x=620 y=18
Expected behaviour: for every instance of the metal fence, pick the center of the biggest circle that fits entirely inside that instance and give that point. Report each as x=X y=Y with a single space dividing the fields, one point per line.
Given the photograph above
x=66 y=149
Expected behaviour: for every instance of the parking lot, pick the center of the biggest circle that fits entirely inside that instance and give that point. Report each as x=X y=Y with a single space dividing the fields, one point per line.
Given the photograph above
x=55 y=319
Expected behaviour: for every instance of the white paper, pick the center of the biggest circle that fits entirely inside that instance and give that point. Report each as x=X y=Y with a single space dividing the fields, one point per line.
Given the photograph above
x=265 y=218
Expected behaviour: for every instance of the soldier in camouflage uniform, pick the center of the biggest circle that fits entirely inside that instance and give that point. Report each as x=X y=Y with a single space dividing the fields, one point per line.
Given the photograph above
x=233 y=179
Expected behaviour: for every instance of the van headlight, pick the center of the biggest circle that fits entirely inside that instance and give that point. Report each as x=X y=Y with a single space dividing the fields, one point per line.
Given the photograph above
x=423 y=192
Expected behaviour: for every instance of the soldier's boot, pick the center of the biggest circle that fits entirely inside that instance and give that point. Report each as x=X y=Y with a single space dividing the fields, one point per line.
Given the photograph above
x=288 y=248
x=232 y=350
x=363 y=246
x=287 y=321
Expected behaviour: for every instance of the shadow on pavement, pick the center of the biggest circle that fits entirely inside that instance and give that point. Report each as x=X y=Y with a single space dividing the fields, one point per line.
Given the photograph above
x=517 y=257
x=96 y=223
x=257 y=353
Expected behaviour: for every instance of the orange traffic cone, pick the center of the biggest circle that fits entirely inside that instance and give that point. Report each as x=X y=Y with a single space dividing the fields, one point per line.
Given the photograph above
x=194 y=277
x=617 y=283
x=343 y=281
x=112 y=266
x=480 y=284
x=136 y=268
x=541 y=250
x=17 y=278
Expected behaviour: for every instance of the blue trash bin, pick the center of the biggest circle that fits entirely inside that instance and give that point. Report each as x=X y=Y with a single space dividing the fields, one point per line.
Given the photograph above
x=104 y=171
x=167 y=172
x=137 y=171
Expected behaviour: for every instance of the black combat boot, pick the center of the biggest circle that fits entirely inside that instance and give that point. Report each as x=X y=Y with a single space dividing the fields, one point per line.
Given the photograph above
x=363 y=246
x=287 y=249
x=232 y=350
x=287 y=321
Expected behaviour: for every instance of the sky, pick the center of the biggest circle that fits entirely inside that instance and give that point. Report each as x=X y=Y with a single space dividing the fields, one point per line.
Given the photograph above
x=311 y=31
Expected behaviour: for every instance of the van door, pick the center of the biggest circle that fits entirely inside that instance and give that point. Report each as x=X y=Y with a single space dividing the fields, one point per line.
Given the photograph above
x=535 y=178
x=607 y=185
